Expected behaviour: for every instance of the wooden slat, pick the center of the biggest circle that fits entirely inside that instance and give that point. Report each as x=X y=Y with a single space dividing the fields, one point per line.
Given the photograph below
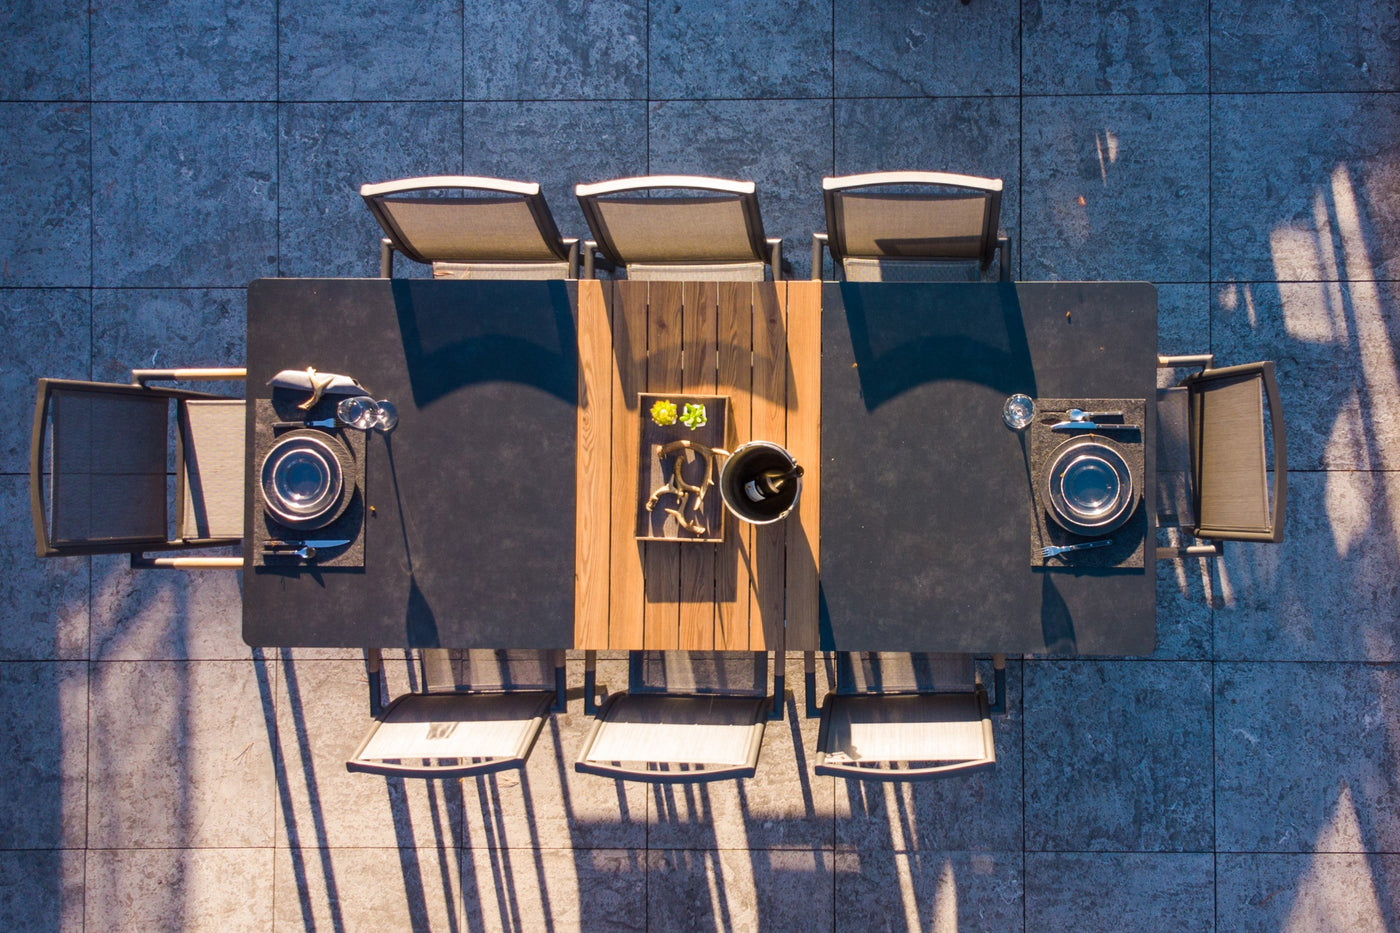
x=594 y=473
x=735 y=360
x=804 y=345
x=626 y=598
x=697 y=561
x=661 y=562
x=770 y=384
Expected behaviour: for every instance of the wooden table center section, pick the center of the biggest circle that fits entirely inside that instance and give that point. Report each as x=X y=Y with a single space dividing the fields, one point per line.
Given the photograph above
x=760 y=345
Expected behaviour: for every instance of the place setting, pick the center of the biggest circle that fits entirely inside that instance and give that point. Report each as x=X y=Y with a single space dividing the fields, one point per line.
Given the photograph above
x=312 y=449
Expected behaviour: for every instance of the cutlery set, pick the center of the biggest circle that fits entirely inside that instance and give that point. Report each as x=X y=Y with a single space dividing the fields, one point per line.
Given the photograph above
x=1080 y=420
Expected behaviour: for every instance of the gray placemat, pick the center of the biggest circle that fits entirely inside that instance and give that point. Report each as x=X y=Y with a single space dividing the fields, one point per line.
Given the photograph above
x=1129 y=540
x=351 y=522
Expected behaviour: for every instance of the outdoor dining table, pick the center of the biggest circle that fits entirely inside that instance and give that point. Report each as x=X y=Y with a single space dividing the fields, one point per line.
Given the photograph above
x=502 y=509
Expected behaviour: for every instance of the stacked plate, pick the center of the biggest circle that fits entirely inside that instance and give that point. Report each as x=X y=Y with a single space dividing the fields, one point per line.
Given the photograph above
x=1089 y=487
x=302 y=481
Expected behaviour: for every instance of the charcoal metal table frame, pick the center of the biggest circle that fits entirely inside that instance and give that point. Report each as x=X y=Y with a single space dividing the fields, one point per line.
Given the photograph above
x=926 y=495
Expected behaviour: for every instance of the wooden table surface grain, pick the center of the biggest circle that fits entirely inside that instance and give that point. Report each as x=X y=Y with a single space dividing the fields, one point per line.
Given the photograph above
x=757 y=343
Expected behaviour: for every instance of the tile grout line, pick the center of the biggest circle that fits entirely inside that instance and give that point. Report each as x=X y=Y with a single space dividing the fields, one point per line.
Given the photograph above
x=1021 y=246
x=1210 y=340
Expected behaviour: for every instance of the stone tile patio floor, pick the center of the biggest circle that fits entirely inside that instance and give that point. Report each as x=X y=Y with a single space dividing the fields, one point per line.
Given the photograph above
x=1245 y=157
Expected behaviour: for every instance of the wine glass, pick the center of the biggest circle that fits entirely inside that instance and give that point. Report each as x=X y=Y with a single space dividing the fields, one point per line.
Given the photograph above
x=358 y=411
x=1018 y=411
x=386 y=416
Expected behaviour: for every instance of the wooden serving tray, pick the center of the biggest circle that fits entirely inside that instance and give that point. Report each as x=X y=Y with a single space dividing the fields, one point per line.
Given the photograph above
x=656 y=470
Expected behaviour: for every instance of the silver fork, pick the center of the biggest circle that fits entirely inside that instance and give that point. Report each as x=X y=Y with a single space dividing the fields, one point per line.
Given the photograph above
x=1055 y=550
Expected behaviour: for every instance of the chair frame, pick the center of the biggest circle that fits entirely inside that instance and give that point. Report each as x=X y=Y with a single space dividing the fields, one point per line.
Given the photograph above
x=827 y=768
x=768 y=250
x=565 y=249
x=1217 y=537
x=135 y=547
x=835 y=241
x=747 y=769
x=378 y=686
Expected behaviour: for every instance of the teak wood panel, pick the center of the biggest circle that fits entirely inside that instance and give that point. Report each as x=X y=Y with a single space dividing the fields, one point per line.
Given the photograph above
x=734 y=339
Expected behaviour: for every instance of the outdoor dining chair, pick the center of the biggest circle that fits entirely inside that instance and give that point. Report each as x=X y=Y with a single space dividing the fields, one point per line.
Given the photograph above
x=105 y=446
x=906 y=717
x=912 y=227
x=686 y=717
x=1213 y=467
x=475 y=712
x=470 y=228
x=678 y=227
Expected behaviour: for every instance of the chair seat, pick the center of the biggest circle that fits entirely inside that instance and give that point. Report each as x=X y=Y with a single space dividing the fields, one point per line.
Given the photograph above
x=453 y=734
x=212 y=442
x=947 y=731
x=707 y=736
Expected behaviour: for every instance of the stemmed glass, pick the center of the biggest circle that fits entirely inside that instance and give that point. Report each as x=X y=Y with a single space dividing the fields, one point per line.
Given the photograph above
x=1018 y=411
x=363 y=412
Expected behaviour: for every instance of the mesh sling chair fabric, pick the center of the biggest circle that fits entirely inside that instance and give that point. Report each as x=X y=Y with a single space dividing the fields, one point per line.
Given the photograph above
x=479 y=711
x=679 y=227
x=903 y=717
x=686 y=717
x=467 y=227
x=911 y=226
x=107 y=449
x=1212 y=438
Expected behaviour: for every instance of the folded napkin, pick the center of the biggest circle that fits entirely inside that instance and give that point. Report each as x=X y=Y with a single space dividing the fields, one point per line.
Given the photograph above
x=317 y=384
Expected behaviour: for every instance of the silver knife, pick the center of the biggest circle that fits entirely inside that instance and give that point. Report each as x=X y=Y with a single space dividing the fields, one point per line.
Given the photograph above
x=309 y=542
x=1092 y=426
x=327 y=423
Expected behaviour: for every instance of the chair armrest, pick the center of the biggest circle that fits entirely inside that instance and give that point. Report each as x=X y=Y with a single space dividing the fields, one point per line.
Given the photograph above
x=142 y=562
x=1215 y=549
x=775 y=255
x=1004 y=246
x=1203 y=360
x=593 y=259
x=386 y=258
x=572 y=244
x=999 y=684
x=140 y=377
x=818 y=241
x=374 y=674
x=809 y=683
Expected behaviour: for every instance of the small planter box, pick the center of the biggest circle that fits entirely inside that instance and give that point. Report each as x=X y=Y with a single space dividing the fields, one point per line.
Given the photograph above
x=657 y=471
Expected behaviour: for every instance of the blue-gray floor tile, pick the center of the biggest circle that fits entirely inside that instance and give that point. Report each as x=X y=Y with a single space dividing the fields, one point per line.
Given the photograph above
x=929 y=890
x=45 y=47
x=784 y=146
x=327 y=151
x=1265 y=893
x=1303 y=187
x=1118 y=756
x=364 y=50
x=45 y=736
x=1183 y=319
x=558 y=144
x=1334 y=350
x=42 y=890
x=1329 y=591
x=1300 y=46
x=47 y=332
x=925 y=49
x=185 y=195
x=134 y=328
x=1306 y=757
x=1115 y=188
x=1185 y=595
x=735 y=49
x=1090 y=892
x=976 y=136
x=1110 y=47
x=43 y=603
x=186 y=50
x=731 y=889
x=555 y=50
x=47 y=196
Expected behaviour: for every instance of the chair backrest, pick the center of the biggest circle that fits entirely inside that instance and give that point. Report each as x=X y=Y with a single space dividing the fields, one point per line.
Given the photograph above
x=470 y=227
x=686 y=717
x=903 y=717
x=482 y=670
x=890 y=226
x=107 y=490
x=1229 y=453
x=670 y=227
